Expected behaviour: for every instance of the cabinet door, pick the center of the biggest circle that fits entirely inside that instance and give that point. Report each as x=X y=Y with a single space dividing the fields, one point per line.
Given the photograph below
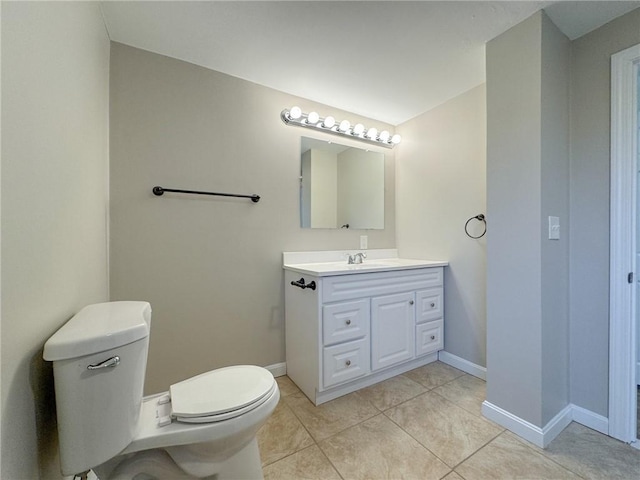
x=392 y=329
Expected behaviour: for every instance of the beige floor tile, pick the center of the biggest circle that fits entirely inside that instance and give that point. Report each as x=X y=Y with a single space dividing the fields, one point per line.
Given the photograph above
x=453 y=476
x=434 y=374
x=466 y=391
x=331 y=417
x=286 y=386
x=447 y=430
x=281 y=435
x=506 y=457
x=307 y=464
x=593 y=455
x=379 y=449
x=392 y=392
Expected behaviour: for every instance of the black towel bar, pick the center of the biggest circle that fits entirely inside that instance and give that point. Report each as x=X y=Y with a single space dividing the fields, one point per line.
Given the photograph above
x=160 y=190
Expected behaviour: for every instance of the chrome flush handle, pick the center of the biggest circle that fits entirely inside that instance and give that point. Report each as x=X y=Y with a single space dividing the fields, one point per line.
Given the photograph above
x=111 y=362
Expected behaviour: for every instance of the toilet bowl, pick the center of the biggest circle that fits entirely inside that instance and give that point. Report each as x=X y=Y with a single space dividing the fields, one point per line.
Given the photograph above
x=202 y=427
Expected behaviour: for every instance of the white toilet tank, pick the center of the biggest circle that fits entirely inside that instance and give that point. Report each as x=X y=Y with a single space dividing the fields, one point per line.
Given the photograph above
x=99 y=359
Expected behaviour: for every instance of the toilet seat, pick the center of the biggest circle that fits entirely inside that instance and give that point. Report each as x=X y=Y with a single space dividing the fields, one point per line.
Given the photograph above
x=221 y=394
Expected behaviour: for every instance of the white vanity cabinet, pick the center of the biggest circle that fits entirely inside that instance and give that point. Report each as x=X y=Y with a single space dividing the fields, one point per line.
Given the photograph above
x=361 y=327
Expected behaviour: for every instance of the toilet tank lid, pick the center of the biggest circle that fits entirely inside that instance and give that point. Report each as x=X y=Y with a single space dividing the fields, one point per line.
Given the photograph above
x=99 y=327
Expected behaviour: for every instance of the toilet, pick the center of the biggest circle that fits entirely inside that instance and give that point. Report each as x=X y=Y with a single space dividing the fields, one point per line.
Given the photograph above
x=203 y=427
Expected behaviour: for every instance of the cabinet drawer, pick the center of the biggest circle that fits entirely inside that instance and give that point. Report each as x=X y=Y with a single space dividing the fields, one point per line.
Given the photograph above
x=345 y=361
x=429 y=305
x=347 y=287
x=429 y=337
x=345 y=321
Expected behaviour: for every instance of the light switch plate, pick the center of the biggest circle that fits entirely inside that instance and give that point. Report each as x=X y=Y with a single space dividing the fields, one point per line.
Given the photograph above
x=364 y=242
x=554 y=228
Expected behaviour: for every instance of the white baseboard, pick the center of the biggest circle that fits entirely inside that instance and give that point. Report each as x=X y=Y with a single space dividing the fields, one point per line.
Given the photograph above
x=543 y=436
x=462 y=364
x=540 y=437
x=277 y=369
x=590 y=419
x=556 y=425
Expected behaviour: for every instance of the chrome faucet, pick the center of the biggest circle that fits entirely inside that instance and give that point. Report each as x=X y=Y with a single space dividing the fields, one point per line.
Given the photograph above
x=356 y=258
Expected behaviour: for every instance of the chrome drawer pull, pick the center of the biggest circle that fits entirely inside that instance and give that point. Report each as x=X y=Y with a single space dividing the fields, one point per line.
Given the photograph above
x=433 y=305
x=348 y=362
x=111 y=362
x=348 y=321
x=433 y=337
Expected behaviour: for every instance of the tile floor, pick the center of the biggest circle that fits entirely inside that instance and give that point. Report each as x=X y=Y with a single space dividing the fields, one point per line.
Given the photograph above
x=425 y=424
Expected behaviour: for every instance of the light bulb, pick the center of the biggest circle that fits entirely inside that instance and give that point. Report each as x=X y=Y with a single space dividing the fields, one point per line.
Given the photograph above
x=358 y=129
x=372 y=133
x=329 y=122
x=396 y=139
x=313 y=118
x=295 y=113
x=344 y=125
x=384 y=136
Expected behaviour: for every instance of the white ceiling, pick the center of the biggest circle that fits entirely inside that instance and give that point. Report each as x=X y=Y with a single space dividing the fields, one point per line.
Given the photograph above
x=387 y=60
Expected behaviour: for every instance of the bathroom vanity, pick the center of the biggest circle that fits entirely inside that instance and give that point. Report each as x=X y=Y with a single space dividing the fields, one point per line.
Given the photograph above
x=350 y=326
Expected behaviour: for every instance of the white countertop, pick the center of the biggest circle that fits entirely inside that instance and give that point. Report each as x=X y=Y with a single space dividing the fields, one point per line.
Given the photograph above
x=328 y=263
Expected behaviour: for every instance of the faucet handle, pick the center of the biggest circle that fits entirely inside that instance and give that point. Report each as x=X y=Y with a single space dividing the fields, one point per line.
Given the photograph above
x=359 y=257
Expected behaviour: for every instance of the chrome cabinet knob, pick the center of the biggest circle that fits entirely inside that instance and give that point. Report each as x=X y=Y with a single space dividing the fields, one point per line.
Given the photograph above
x=433 y=304
x=433 y=337
x=348 y=363
x=410 y=302
x=348 y=321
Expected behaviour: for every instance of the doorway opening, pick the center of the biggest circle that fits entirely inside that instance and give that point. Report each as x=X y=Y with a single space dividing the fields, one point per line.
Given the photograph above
x=625 y=242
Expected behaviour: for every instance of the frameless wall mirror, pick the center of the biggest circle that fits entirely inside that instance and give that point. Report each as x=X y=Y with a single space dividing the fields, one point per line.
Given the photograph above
x=341 y=187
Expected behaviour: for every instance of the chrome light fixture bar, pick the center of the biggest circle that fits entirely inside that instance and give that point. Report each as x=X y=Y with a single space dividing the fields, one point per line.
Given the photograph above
x=295 y=116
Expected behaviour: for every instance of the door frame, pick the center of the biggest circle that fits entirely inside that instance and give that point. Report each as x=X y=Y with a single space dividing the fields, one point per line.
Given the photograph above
x=622 y=300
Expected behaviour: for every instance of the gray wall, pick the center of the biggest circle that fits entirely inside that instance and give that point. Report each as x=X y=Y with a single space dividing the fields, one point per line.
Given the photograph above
x=210 y=267
x=55 y=60
x=527 y=180
x=440 y=184
x=590 y=163
x=554 y=166
x=514 y=210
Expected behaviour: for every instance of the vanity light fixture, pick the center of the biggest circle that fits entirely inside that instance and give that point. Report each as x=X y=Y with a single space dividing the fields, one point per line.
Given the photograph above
x=295 y=116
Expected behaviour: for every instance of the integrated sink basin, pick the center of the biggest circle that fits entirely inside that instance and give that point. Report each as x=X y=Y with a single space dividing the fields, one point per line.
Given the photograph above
x=326 y=263
x=367 y=265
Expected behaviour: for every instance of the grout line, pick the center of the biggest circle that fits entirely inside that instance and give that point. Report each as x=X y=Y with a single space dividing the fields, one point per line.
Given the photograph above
x=502 y=430
x=420 y=443
x=300 y=421
x=539 y=451
x=477 y=450
x=295 y=451
x=407 y=400
x=475 y=414
x=287 y=456
x=335 y=433
x=330 y=462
